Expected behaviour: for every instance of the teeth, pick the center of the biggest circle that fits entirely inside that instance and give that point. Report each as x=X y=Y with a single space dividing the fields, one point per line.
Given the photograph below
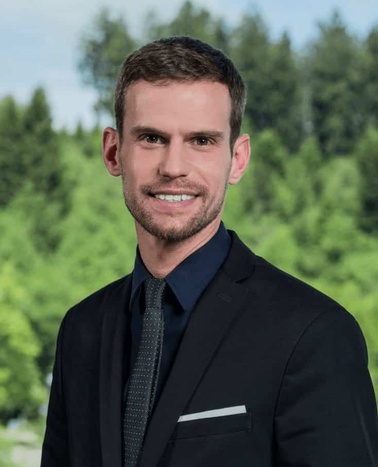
x=174 y=198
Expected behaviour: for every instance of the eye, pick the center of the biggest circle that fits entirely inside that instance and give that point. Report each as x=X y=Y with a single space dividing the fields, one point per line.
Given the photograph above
x=202 y=141
x=151 y=138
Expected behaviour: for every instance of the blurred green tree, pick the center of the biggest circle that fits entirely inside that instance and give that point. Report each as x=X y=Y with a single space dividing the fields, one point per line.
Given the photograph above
x=283 y=98
x=371 y=48
x=41 y=164
x=5 y=450
x=272 y=78
x=250 y=52
x=98 y=234
x=265 y=172
x=367 y=159
x=103 y=49
x=336 y=77
x=11 y=131
x=31 y=163
x=191 y=20
x=21 y=389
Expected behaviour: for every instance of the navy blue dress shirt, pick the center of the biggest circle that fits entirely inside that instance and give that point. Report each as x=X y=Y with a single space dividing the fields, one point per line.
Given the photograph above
x=185 y=285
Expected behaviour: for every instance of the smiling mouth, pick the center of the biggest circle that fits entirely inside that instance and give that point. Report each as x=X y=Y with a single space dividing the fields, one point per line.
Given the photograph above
x=173 y=198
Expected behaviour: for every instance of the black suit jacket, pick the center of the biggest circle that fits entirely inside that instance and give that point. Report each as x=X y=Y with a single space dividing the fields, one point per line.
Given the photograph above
x=257 y=337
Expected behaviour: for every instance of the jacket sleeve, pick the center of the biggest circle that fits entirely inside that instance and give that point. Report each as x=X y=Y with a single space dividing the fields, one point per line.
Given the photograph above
x=55 y=445
x=326 y=414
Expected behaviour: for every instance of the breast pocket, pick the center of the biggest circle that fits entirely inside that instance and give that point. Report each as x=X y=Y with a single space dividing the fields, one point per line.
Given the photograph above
x=219 y=441
x=213 y=426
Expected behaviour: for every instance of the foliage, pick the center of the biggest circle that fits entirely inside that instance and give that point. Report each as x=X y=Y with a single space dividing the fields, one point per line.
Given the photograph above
x=10 y=135
x=103 y=49
x=21 y=388
x=272 y=79
x=367 y=159
x=254 y=67
x=5 y=450
x=284 y=101
x=265 y=172
x=371 y=77
x=327 y=90
x=98 y=234
x=31 y=165
x=191 y=21
x=335 y=62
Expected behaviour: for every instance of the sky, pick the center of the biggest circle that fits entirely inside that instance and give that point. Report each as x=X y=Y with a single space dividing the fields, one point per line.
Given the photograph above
x=40 y=39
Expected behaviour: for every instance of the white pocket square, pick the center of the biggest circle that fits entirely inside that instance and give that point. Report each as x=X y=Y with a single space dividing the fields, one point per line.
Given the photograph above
x=237 y=409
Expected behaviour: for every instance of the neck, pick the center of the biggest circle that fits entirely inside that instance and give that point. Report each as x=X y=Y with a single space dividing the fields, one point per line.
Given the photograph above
x=160 y=256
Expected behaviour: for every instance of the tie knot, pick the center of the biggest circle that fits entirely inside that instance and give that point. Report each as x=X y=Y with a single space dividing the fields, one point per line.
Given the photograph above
x=154 y=289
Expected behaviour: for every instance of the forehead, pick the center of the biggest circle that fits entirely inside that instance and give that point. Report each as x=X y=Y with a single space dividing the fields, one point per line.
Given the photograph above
x=175 y=103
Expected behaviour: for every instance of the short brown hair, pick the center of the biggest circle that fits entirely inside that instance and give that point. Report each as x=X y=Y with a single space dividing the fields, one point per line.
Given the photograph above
x=181 y=59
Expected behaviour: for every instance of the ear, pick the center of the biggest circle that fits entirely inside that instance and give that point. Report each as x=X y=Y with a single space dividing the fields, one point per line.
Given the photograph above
x=110 y=151
x=240 y=159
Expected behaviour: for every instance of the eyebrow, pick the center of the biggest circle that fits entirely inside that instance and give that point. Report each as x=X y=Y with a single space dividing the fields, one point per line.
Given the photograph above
x=139 y=130
x=209 y=133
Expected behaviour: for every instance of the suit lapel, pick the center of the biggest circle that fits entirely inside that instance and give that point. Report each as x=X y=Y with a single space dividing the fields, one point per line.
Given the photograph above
x=209 y=323
x=111 y=371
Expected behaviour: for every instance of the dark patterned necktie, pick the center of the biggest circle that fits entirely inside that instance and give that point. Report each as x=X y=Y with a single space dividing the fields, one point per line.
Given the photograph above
x=144 y=376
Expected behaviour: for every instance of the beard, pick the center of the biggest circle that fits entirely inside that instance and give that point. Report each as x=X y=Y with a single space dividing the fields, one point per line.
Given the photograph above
x=177 y=230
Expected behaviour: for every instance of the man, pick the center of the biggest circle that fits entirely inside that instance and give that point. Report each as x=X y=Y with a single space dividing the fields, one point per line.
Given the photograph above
x=222 y=359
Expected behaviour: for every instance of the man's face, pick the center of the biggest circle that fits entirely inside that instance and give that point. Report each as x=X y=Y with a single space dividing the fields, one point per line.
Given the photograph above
x=175 y=157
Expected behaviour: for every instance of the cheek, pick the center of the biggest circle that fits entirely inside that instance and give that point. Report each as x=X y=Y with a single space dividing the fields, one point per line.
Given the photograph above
x=217 y=184
x=222 y=174
x=133 y=171
x=217 y=168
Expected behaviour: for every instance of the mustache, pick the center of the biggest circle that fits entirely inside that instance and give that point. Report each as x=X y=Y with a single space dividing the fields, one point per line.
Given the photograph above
x=175 y=185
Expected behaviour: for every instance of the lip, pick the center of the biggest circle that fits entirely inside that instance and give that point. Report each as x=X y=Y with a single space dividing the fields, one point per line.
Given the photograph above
x=169 y=206
x=173 y=193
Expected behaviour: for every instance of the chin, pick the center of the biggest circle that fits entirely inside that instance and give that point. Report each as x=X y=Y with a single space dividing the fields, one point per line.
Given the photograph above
x=177 y=231
x=173 y=229
x=171 y=234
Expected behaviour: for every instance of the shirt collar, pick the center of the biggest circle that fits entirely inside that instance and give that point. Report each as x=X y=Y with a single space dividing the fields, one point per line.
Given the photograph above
x=190 y=278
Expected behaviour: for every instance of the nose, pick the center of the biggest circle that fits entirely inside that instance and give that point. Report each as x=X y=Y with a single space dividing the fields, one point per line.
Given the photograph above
x=173 y=163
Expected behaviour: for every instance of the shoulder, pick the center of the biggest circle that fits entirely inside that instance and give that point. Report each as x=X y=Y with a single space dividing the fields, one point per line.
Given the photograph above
x=275 y=295
x=311 y=330
x=281 y=286
x=92 y=308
